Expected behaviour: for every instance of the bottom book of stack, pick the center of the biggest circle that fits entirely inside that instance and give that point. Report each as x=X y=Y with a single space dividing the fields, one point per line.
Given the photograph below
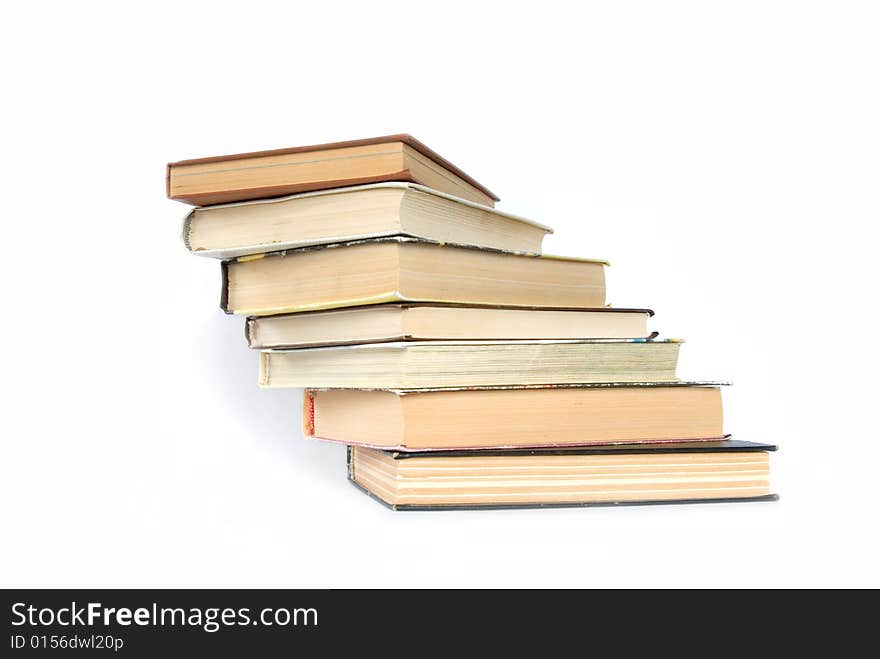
x=618 y=474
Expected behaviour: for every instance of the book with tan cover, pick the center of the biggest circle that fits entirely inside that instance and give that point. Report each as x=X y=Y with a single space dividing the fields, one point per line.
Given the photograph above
x=400 y=269
x=444 y=364
x=515 y=417
x=345 y=214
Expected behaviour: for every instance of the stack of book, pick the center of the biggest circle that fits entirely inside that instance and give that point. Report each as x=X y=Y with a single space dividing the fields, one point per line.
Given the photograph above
x=461 y=366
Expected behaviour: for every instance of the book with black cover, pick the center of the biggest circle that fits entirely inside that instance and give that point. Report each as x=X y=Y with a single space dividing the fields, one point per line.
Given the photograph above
x=727 y=446
x=387 y=323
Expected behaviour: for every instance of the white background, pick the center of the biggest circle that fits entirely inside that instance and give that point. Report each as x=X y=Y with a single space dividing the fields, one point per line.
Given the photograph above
x=723 y=156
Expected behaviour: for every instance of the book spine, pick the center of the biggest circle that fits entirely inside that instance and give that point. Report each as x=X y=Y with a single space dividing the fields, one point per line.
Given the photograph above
x=224 y=287
x=308 y=416
x=264 y=369
x=250 y=332
x=185 y=230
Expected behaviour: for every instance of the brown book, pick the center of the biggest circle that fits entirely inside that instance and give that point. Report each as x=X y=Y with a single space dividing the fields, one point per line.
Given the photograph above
x=425 y=420
x=383 y=270
x=261 y=174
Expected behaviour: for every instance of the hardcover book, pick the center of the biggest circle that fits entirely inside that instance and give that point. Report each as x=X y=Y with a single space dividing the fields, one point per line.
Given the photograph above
x=346 y=214
x=260 y=174
x=424 y=322
x=438 y=364
x=715 y=471
x=505 y=417
x=400 y=269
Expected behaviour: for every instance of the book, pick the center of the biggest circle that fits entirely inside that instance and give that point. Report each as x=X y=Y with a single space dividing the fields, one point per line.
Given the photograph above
x=422 y=322
x=345 y=214
x=444 y=364
x=260 y=174
x=400 y=269
x=669 y=473
x=424 y=420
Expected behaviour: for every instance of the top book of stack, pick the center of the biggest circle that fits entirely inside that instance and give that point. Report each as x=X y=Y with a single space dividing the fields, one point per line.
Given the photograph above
x=262 y=174
x=254 y=203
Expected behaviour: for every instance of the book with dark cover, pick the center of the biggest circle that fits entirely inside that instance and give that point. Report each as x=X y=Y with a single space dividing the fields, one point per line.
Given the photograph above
x=722 y=446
